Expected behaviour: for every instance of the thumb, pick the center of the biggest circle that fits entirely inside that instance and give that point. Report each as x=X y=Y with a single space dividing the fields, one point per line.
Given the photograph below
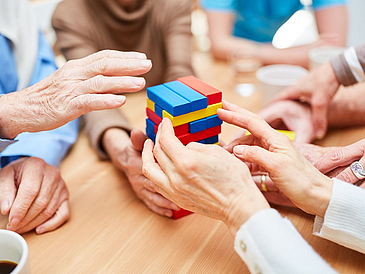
x=7 y=189
x=255 y=155
x=138 y=138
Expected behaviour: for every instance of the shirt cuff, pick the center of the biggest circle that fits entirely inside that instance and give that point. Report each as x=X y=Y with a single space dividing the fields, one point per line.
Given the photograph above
x=344 y=221
x=4 y=143
x=269 y=243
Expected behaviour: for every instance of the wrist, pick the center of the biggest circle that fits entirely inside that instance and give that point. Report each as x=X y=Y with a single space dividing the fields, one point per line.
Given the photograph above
x=114 y=142
x=242 y=208
x=329 y=78
x=10 y=124
x=320 y=195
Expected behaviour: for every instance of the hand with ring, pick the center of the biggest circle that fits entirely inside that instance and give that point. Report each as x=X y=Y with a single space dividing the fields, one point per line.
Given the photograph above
x=267 y=150
x=352 y=157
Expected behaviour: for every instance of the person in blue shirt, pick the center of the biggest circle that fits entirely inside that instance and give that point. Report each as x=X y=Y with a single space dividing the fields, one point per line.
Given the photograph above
x=242 y=25
x=38 y=107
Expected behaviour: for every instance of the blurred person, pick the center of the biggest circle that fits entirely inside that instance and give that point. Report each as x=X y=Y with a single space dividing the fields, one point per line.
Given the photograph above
x=159 y=28
x=208 y=180
x=249 y=26
x=32 y=191
x=318 y=90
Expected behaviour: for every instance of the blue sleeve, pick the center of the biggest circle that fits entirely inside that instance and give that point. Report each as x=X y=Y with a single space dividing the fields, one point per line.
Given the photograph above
x=323 y=4
x=51 y=146
x=219 y=5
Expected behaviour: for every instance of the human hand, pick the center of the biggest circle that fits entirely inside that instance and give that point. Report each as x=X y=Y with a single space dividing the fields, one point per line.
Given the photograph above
x=80 y=86
x=290 y=115
x=343 y=157
x=204 y=179
x=126 y=155
x=267 y=150
x=317 y=89
x=34 y=195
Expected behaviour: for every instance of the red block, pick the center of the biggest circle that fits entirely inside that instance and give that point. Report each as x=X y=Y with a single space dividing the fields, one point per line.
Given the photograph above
x=214 y=95
x=179 y=130
x=153 y=116
x=177 y=214
x=193 y=137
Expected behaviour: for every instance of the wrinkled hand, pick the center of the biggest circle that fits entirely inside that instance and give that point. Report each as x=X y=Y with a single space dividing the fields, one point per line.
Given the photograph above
x=80 y=86
x=126 y=155
x=268 y=150
x=343 y=157
x=204 y=179
x=290 y=115
x=317 y=89
x=34 y=195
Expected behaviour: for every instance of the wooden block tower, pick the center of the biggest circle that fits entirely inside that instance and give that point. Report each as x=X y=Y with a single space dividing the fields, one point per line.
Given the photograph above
x=191 y=105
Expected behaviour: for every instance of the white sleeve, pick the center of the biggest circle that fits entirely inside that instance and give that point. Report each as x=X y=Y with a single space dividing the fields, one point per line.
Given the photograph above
x=268 y=243
x=344 y=221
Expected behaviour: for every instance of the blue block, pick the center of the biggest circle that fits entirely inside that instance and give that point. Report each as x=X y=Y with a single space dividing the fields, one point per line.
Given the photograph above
x=150 y=135
x=201 y=141
x=168 y=100
x=198 y=101
x=211 y=140
x=150 y=126
x=158 y=110
x=213 y=121
x=198 y=125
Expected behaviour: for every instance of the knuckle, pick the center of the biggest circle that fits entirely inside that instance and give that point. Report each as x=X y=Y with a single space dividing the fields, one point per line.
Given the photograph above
x=101 y=66
x=96 y=83
x=345 y=176
x=336 y=156
x=185 y=165
x=43 y=202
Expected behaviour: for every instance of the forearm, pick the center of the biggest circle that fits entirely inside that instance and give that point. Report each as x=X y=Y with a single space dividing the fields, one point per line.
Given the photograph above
x=347 y=107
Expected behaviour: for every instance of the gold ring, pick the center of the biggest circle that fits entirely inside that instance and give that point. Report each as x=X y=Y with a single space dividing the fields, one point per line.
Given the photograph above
x=263 y=185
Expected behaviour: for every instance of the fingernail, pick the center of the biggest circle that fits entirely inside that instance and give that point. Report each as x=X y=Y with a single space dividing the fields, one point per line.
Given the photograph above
x=40 y=230
x=238 y=150
x=120 y=99
x=145 y=63
x=175 y=207
x=14 y=222
x=138 y=81
x=4 y=206
x=168 y=214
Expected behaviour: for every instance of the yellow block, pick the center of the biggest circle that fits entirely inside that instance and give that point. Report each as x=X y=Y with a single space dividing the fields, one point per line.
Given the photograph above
x=151 y=105
x=288 y=133
x=192 y=116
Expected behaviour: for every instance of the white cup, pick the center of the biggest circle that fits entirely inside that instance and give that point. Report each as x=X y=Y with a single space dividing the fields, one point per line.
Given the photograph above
x=14 y=248
x=275 y=78
x=322 y=55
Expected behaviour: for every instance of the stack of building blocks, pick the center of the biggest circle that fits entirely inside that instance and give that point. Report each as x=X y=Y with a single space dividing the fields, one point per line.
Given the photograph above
x=192 y=106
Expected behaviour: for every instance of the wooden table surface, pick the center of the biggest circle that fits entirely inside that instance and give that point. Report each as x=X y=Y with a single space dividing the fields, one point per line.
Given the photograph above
x=111 y=231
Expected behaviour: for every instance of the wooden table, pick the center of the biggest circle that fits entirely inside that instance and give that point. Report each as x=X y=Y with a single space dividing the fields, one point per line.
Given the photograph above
x=111 y=231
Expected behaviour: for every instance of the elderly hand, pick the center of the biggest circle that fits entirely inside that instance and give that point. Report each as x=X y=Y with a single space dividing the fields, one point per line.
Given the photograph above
x=80 y=86
x=290 y=115
x=126 y=155
x=317 y=89
x=342 y=158
x=268 y=150
x=204 y=179
x=34 y=195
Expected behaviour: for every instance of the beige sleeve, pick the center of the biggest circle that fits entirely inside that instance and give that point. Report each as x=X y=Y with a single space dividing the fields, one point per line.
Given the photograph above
x=177 y=35
x=342 y=69
x=75 y=43
x=97 y=122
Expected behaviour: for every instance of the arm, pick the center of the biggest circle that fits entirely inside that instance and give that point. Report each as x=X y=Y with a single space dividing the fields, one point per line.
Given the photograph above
x=177 y=36
x=214 y=183
x=344 y=221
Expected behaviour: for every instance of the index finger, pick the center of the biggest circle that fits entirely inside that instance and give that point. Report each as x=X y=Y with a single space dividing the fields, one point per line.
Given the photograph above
x=235 y=115
x=29 y=187
x=110 y=54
